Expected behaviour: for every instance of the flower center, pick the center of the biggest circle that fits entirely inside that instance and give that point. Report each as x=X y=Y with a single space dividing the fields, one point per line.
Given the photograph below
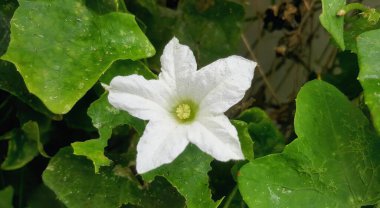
x=183 y=111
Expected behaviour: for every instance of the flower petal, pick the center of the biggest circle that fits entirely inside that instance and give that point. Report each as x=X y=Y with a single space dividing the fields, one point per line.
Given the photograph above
x=145 y=99
x=217 y=137
x=160 y=144
x=222 y=84
x=178 y=62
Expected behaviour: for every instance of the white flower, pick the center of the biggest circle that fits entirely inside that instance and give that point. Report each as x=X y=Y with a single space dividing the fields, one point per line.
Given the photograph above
x=184 y=105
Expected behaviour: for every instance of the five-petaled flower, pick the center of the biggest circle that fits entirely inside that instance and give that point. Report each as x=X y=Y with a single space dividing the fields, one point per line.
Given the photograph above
x=184 y=105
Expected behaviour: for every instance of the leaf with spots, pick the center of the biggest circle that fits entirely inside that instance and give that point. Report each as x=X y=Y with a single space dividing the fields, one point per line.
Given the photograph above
x=61 y=48
x=74 y=182
x=368 y=45
x=334 y=162
x=331 y=22
x=188 y=173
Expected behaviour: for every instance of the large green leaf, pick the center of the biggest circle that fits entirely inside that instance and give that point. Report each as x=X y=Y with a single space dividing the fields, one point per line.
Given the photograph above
x=212 y=30
x=73 y=180
x=188 y=173
x=333 y=163
x=24 y=144
x=369 y=76
x=61 y=48
x=6 y=196
x=331 y=22
x=105 y=117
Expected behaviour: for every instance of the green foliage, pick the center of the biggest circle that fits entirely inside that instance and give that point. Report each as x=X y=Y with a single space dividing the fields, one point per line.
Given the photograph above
x=73 y=179
x=193 y=23
x=70 y=47
x=42 y=196
x=245 y=139
x=57 y=54
x=6 y=196
x=188 y=173
x=24 y=144
x=369 y=76
x=12 y=82
x=262 y=130
x=105 y=117
x=334 y=162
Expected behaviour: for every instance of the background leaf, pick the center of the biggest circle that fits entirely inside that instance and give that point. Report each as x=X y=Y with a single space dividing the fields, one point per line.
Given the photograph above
x=267 y=138
x=369 y=75
x=333 y=163
x=68 y=47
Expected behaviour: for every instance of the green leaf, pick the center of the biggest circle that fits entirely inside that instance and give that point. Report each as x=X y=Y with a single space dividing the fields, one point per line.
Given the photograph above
x=245 y=139
x=193 y=23
x=333 y=163
x=188 y=173
x=61 y=48
x=331 y=22
x=6 y=196
x=263 y=131
x=369 y=76
x=11 y=81
x=104 y=117
x=23 y=146
x=73 y=180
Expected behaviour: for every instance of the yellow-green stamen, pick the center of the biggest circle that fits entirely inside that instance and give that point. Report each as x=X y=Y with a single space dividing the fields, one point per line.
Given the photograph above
x=183 y=111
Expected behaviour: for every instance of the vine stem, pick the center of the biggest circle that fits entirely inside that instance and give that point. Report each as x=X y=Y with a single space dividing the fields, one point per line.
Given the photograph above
x=230 y=197
x=353 y=6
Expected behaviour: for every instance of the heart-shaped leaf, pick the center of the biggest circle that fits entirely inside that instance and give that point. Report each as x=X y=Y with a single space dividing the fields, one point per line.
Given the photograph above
x=333 y=163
